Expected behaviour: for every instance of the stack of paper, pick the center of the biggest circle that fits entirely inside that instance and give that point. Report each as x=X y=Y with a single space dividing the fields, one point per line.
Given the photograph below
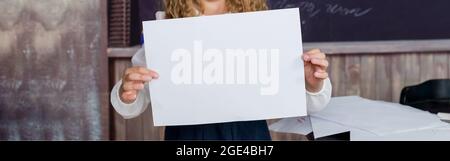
x=444 y=116
x=324 y=128
x=380 y=118
x=298 y=125
x=433 y=134
x=375 y=120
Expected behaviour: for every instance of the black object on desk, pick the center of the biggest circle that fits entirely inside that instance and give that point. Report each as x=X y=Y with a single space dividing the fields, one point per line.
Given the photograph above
x=432 y=96
x=345 y=136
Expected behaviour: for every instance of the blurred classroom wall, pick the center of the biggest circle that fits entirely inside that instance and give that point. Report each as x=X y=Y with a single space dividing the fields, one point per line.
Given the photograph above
x=53 y=79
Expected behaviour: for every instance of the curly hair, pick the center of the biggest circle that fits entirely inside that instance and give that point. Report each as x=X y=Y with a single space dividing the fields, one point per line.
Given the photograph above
x=190 y=8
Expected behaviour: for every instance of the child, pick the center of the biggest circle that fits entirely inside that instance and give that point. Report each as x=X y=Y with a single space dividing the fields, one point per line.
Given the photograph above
x=130 y=99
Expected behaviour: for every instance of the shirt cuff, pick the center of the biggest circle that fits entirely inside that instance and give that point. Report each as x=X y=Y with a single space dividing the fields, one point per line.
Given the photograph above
x=127 y=110
x=325 y=82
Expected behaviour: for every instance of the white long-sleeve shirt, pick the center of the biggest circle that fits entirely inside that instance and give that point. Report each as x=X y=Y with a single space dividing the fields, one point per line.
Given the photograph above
x=315 y=101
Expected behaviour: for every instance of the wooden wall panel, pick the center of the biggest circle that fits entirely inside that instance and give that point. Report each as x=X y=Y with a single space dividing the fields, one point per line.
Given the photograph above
x=440 y=65
x=426 y=64
x=448 y=63
x=117 y=67
x=382 y=73
x=53 y=78
x=397 y=79
x=411 y=64
x=337 y=69
x=368 y=63
x=352 y=74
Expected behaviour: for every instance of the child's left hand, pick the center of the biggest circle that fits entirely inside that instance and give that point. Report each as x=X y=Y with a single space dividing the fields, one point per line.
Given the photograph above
x=316 y=65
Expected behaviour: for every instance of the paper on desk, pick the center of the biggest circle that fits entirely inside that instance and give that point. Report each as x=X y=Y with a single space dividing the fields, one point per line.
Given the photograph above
x=322 y=128
x=306 y=125
x=377 y=117
x=433 y=134
x=296 y=125
x=202 y=79
x=444 y=116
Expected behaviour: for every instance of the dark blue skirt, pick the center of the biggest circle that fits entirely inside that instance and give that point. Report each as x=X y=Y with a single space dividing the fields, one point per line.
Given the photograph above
x=249 y=130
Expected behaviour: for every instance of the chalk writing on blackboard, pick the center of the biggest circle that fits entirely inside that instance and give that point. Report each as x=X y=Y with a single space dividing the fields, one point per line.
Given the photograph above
x=312 y=9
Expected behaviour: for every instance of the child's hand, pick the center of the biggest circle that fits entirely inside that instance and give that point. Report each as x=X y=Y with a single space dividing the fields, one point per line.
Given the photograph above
x=133 y=81
x=316 y=65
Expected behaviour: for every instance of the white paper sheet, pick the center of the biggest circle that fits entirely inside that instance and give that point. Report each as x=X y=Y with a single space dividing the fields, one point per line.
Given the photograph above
x=444 y=116
x=380 y=118
x=434 y=134
x=322 y=128
x=296 y=125
x=183 y=50
x=423 y=126
x=306 y=125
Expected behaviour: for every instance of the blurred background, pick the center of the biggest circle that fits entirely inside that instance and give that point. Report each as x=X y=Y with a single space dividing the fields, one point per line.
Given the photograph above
x=60 y=58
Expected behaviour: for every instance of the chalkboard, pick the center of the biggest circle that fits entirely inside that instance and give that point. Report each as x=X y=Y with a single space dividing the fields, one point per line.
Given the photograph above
x=365 y=20
x=147 y=9
x=359 y=20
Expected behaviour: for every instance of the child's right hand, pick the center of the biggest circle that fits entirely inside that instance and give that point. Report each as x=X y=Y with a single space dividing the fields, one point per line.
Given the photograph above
x=133 y=82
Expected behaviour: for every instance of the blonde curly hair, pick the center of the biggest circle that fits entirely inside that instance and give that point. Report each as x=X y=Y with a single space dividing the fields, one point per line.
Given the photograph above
x=190 y=8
